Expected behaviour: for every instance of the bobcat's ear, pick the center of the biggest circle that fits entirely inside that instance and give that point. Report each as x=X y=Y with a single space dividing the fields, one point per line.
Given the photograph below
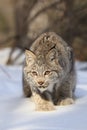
x=51 y=56
x=30 y=57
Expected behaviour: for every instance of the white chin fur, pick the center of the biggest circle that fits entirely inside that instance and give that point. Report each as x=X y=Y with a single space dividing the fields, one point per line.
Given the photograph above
x=50 y=88
x=42 y=89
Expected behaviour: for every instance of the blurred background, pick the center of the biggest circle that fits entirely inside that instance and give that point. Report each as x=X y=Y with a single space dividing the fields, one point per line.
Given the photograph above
x=22 y=21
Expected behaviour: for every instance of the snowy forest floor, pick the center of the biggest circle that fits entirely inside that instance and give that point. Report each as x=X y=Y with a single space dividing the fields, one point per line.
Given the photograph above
x=17 y=112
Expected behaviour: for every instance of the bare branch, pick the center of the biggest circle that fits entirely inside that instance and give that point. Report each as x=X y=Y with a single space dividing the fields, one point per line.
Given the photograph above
x=44 y=9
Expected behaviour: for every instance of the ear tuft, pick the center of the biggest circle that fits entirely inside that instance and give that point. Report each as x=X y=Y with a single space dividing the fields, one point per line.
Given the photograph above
x=30 y=57
x=52 y=57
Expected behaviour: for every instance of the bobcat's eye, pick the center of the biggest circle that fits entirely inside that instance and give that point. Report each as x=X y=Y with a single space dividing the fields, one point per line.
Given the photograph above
x=52 y=58
x=47 y=72
x=34 y=73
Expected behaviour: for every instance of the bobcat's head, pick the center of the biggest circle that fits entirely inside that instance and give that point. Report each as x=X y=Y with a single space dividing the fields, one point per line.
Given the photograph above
x=43 y=70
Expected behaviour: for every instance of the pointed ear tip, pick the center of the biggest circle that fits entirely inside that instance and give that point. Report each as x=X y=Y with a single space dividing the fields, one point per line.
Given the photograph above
x=27 y=51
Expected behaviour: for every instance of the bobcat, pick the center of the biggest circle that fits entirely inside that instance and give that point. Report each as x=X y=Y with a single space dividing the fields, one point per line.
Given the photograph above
x=49 y=74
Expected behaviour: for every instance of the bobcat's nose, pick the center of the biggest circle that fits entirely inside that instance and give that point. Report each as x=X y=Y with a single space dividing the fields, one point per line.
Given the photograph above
x=40 y=82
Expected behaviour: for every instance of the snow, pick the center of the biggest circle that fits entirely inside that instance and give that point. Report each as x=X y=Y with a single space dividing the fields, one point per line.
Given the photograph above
x=18 y=113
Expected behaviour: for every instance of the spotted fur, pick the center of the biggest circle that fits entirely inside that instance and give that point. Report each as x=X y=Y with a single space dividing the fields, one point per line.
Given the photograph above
x=49 y=72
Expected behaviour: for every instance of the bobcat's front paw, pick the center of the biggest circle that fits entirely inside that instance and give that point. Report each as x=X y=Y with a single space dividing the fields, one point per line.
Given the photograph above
x=66 y=101
x=41 y=104
x=47 y=106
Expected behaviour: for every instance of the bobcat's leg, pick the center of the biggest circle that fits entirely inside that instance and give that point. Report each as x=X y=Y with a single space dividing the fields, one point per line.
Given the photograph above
x=42 y=104
x=26 y=88
x=66 y=96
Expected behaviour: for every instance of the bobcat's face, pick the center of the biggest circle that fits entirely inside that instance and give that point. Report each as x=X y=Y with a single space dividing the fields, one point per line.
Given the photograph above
x=41 y=77
x=42 y=73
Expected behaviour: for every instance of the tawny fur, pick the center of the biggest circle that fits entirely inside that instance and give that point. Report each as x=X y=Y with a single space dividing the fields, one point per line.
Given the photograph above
x=49 y=73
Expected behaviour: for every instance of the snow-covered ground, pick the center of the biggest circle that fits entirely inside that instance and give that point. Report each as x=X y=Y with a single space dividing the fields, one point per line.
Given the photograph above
x=17 y=112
